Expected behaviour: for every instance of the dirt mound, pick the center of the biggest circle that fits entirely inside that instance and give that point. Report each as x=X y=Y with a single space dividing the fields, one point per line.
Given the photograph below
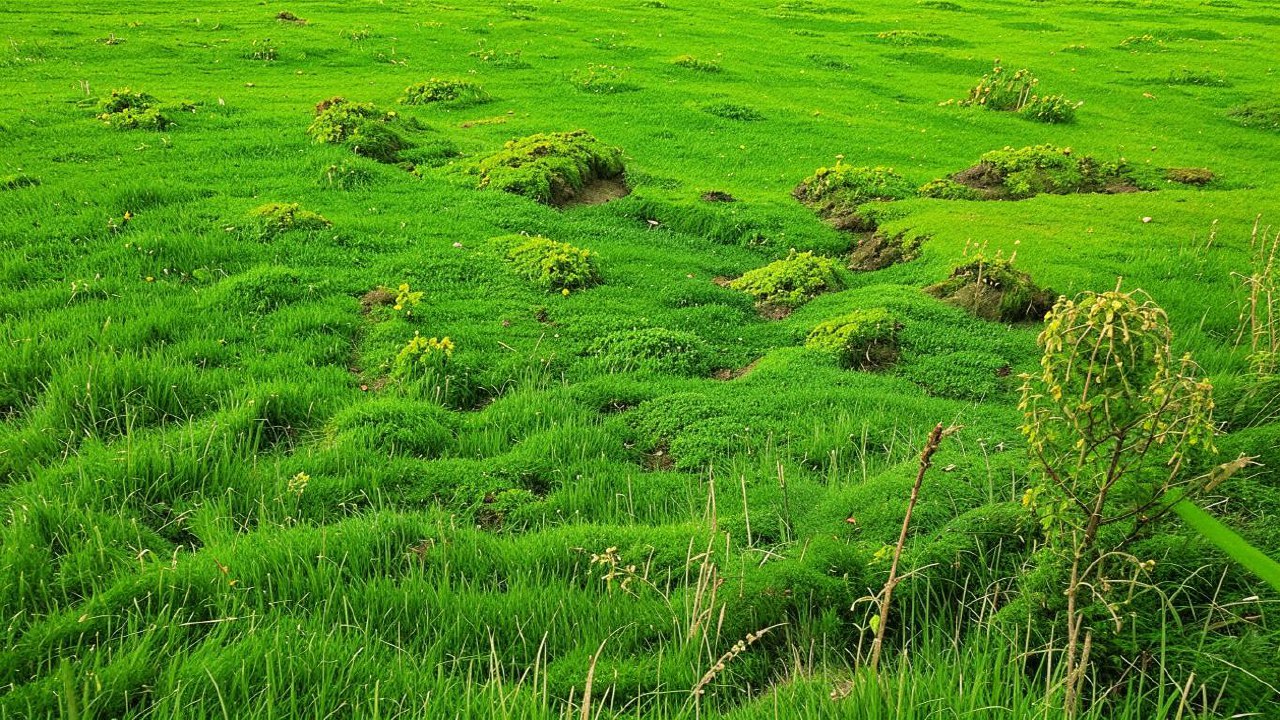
x=596 y=192
x=719 y=196
x=878 y=251
x=994 y=290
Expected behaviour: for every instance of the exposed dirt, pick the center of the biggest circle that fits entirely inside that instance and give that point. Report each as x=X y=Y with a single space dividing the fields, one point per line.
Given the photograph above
x=985 y=178
x=718 y=196
x=877 y=251
x=286 y=16
x=773 y=311
x=659 y=460
x=596 y=192
x=376 y=297
x=727 y=374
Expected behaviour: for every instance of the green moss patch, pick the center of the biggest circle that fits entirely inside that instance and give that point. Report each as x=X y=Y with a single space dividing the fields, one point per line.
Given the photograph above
x=552 y=168
x=836 y=193
x=549 y=264
x=362 y=127
x=791 y=281
x=126 y=109
x=862 y=339
x=994 y=290
x=1015 y=174
x=456 y=93
x=278 y=217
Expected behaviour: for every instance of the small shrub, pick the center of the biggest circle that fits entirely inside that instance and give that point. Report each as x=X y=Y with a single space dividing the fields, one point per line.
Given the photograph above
x=20 y=180
x=655 y=349
x=732 y=111
x=551 y=168
x=863 y=339
x=792 y=281
x=994 y=290
x=280 y=217
x=550 y=264
x=452 y=92
x=601 y=80
x=947 y=189
x=690 y=62
x=835 y=193
x=1016 y=92
x=1261 y=113
x=1190 y=176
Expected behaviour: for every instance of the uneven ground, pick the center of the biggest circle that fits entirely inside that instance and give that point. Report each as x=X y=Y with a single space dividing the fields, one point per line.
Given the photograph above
x=217 y=502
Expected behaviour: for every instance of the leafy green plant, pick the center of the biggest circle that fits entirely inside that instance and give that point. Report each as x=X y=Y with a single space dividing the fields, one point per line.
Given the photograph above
x=263 y=50
x=407 y=299
x=456 y=93
x=551 y=168
x=421 y=355
x=1049 y=109
x=992 y=289
x=1114 y=422
x=280 y=217
x=550 y=264
x=791 y=281
x=863 y=339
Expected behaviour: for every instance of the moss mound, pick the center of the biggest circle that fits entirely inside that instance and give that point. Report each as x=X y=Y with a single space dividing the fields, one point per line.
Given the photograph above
x=362 y=127
x=879 y=251
x=552 y=168
x=654 y=349
x=994 y=290
x=863 y=339
x=836 y=193
x=1190 y=176
x=1015 y=174
x=791 y=281
x=279 y=217
x=550 y=264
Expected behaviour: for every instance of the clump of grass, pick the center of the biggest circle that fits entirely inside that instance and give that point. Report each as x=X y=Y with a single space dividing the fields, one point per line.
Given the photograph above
x=362 y=127
x=1263 y=113
x=732 y=111
x=18 y=180
x=791 y=281
x=993 y=289
x=1016 y=92
x=549 y=264
x=1144 y=42
x=1015 y=174
x=1190 y=176
x=421 y=355
x=264 y=50
x=837 y=192
x=346 y=175
x=828 y=62
x=504 y=59
x=601 y=80
x=551 y=168
x=655 y=349
x=395 y=426
x=1201 y=78
x=452 y=92
x=908 y=38
x=274 y=218
x=690 y=62
x=127 y=109
x=863 y=339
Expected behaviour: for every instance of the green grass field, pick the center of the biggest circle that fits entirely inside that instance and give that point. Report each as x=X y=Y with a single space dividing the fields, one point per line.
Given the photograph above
x=234 y=485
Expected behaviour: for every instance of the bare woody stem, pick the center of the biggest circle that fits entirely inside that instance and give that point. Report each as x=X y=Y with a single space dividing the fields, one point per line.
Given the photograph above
x=886 y=595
